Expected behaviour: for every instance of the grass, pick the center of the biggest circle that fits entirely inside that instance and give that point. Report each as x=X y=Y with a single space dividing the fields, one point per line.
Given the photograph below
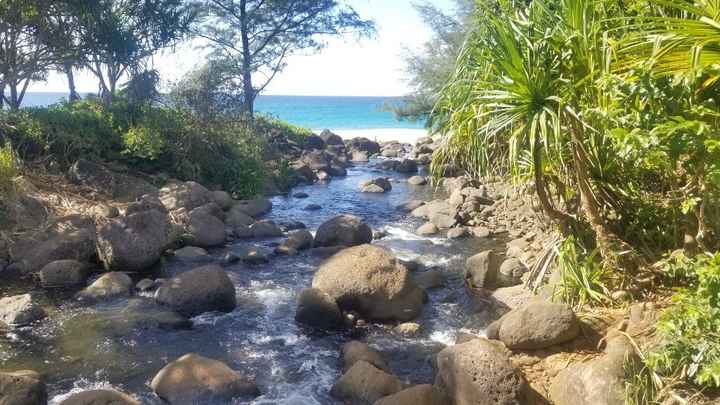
x=583 y=278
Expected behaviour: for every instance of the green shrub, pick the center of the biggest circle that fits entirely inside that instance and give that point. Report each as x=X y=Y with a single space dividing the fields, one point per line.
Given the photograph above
x=691 y=327
x=582 y=277
x=223 y=151
x=9 y=170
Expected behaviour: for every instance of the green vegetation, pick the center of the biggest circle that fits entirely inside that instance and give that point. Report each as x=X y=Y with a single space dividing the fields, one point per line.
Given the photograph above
x=690 y=329
x=430 y=69
x=153 y=139
x=611 y=108
x=9 y=170
x=582 y=278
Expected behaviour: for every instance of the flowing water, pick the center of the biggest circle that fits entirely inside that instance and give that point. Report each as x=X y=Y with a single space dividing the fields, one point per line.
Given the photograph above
x=76 y=350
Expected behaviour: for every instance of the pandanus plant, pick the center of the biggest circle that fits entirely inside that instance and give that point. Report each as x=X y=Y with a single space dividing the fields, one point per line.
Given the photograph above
x=520 y=103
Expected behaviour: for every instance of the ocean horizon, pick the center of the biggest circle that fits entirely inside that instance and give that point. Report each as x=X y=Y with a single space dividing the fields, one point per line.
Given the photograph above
x=349 y=116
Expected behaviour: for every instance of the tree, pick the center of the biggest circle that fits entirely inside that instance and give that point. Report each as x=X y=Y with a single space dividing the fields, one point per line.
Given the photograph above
x=61 y=24
x=431 y=68
x=24 y=54
x=119 y=36
x=258 y=35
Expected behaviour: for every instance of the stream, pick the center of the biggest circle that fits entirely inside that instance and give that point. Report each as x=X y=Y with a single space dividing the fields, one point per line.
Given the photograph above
x=75 y=350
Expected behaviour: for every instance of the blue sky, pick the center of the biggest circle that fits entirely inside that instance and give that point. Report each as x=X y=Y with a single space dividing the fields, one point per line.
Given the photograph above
x=347 y=67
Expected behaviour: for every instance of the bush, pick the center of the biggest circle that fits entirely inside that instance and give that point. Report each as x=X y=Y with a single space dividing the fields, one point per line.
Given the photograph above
x=583 y=278
x=691 y=328
x=9 y=170
x=222 y=151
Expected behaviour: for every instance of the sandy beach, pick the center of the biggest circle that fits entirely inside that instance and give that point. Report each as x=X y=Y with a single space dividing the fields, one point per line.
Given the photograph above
x=383 y=135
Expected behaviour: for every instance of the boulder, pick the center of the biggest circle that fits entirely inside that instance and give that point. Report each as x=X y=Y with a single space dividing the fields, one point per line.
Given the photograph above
x=355 y=351
x=410 y=205
x=299 y=240
x=265 y=229
x=93 y=175
x=337 y=171
x=301 y=195
x=254 y=208
x=222 y=199
x=312 y=207
x=134 y=242
x=510 y=273
x=600 y=381
x=364 y=384
x=443 y=221
x=145 y=203
x=288 y=226
x=108 y=286
x=538 y=325
x=313 y=141
x=62 y=274
x=20 y=310
x=343 y=230
x=432 y=208
x=318 y=310
x=331 y=138
x=68 y=238
x=254 y=255
x=237 y=217
x=206 y=230
x=457 y=233
x=407 y=166
x=22 y=388
x=317 y=160
x=363 y=145
x=188 y=195
x=193 y=379
x=145 y=314
x=359 y=156
x=427 y=229
x=369 y=280
x=200 y=290
x=189 y=252
x=417 y=395
x=481 y=270
x=417 y=181
x=480 y=372
x=377 y=185
x=100 y=397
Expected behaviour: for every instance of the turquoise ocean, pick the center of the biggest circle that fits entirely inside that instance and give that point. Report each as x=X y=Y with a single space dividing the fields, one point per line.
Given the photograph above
x=314 y=112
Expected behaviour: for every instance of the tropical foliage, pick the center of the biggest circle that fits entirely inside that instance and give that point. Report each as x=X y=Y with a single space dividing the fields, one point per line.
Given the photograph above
x=611 y=109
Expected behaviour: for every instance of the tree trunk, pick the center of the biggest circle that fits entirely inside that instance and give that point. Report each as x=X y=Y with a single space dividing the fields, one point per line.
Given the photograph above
x=616 y=252
x=248 y=90
x=73 y=96
x=14 y=102
x=2 y=96
x=565 y=220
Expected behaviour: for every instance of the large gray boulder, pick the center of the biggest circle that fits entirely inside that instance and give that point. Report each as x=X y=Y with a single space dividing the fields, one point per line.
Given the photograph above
x=343 y=230
x=254 y=208
x=537 y=325
x=135 y=242
x=318 y=310
x=20 y=310
x=364 y=384
x=481 y=270
x=377 y=185
x=188 y=195
x=368 y=279
x=100 y=397
x=480 y=372
x=194 y=292
x=193 y=379
x=600 y=381
x=425 y=394
x=355 y=351
x=363 y=145
x=206 y=230
x=68 y=238
x=22 y=388
x=331 y=139
x=301 y=239
x=63 y=274
x=109 y=286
